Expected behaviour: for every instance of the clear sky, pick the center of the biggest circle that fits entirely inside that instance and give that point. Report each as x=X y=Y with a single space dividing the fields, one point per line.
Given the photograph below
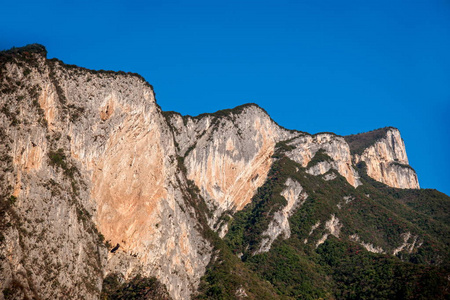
x=318 y=65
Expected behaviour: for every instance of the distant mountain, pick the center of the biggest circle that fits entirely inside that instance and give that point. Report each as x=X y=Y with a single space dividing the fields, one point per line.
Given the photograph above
x=105 y=196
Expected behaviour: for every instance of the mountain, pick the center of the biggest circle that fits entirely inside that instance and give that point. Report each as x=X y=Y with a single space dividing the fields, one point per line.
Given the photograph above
x=106 y=196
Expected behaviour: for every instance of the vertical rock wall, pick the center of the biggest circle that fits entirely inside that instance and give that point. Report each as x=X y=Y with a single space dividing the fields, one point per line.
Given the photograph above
x=387 y=161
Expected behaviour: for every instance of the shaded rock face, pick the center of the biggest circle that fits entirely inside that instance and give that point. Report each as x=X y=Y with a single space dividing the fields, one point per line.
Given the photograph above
x=88 y=157
x=51 y=247
x=387 y=161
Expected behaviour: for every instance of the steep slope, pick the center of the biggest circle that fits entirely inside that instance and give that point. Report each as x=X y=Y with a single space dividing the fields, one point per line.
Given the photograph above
x=343 y=242
x=384 y=153
x=227 y=154
x=104 y=195
x=305 y=147
x=92 y=147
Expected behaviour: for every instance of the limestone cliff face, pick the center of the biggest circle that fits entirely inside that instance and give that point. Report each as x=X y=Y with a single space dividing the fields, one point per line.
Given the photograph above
x=228 y=154
x=51 y=248
x=92 y=153
x=387 y=161
x=88 y=157
x=306 y=146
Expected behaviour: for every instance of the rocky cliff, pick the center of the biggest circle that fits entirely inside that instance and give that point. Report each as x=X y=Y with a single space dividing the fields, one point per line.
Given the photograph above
x=93 y=158
x=227 y=154
x=386 y=158
x=97 y=180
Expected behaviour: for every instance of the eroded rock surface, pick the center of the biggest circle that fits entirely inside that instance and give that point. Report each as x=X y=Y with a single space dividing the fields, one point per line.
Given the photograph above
x=228 y=154
x=295 y=197
x=306 y=146
x=92 y=158
x=88 y=157
x=387 y=162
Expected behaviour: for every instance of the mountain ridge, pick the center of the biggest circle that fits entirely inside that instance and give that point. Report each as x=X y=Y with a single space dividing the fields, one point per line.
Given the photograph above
x=92 y=163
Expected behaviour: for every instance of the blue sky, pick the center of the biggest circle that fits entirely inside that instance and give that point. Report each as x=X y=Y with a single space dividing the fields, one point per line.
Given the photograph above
x=341 y=66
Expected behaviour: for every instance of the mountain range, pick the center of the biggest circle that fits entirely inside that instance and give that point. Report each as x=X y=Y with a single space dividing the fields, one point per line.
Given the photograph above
x=105 y=196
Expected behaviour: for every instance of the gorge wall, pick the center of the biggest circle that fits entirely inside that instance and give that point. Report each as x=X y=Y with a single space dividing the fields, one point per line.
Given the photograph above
x=88 y=157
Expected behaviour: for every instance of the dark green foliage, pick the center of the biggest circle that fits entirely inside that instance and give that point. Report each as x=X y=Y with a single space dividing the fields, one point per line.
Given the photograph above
x=26 y=72
x=58 y=159
x=252 y=221
x=138 y=288
x=52 y=63
x=282 y=147
x=359 y=142
x=293 y=273
x=56 y=62
x=429 y=202
x=10 y=115
x=75 y=112
x=227 y=113
x=14 y=291
x=226 y=274
x=320 y=156
x=31 y=48
x=12 y=200
x=359 y=274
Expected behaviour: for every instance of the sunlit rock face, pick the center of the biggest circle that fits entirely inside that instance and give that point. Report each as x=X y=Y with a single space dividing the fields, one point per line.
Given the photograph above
x=125 y=183
x=228 y=155
x=295 y=197
x=387 y=162
x=88 y=157
x=306 y=146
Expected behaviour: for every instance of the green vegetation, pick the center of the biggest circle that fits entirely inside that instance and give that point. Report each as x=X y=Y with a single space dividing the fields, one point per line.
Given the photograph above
x=75 y=112
x=402 y=165
x=227 y=113
x=58 y=159
x=320 y=156
x=359 y=274
x=31 y=48
x=226 y=274
x=10 y=115
x=55 y=63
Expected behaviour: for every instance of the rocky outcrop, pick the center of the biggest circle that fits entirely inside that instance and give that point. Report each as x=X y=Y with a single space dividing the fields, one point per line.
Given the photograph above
x=295 y=197
x=368 y=246
x=410 y=242
x=333 y=227
x=50 y=247
x=386 y=160
x=227 y=154
x=306 y=146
